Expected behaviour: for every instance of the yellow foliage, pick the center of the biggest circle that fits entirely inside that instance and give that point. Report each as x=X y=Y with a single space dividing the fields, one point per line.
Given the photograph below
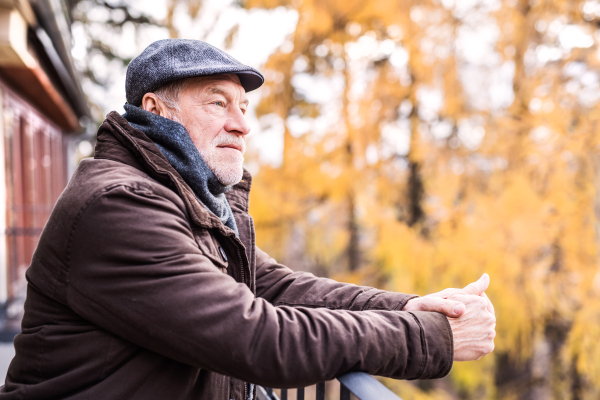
x=351 y=203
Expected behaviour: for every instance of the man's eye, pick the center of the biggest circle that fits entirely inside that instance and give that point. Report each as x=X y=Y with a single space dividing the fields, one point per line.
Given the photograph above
x=243 y=110
x=220 y=103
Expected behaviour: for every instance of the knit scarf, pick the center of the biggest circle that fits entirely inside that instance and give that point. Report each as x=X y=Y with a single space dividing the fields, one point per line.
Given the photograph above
x=176 y=145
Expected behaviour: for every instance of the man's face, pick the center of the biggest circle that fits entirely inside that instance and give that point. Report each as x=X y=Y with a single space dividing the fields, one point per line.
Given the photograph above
x=212 y=110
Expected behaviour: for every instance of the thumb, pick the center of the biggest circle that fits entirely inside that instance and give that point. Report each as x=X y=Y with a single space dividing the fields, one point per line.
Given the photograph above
x=458 y=309
x=449 y=308
x=477 y=288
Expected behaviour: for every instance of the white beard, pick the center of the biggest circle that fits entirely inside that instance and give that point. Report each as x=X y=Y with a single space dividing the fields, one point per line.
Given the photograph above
x=227 y=168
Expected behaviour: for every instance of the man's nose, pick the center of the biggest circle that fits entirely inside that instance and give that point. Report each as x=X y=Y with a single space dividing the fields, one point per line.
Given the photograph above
x=236 y=123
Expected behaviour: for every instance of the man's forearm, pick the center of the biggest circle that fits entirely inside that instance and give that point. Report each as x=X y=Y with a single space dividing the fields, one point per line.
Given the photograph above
x=281 y=286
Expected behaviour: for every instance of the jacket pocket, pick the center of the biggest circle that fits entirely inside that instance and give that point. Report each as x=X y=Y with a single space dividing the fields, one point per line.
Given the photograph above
x=210 y=247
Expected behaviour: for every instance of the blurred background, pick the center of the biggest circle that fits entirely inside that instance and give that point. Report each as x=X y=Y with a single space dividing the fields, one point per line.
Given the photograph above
x=408 y=145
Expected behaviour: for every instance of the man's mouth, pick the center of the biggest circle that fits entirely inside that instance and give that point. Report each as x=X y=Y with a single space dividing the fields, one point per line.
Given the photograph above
x=232 y=146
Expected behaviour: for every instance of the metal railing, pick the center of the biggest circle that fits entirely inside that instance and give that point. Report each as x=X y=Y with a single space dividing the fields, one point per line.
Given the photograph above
x=361 y=385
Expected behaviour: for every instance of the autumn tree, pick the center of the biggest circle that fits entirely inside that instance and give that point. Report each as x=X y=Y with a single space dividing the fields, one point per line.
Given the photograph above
x=428 y=142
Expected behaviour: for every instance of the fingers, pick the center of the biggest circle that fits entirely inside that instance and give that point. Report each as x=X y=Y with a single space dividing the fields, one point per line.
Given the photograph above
x=475 y=331
x=490 y=306
x=477 y=288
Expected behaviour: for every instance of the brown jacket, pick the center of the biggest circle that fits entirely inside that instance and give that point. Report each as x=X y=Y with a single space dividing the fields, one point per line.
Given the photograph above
x=136 y=291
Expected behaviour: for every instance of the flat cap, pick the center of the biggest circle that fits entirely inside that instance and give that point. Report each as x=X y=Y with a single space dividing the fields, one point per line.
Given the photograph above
x=170 y=59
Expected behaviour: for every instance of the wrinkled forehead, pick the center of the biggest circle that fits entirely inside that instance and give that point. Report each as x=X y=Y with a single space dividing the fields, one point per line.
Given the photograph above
x=199 y=88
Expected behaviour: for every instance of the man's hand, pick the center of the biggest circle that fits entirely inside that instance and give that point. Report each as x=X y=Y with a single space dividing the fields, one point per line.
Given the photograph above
x=475 y=330
x=441 y=302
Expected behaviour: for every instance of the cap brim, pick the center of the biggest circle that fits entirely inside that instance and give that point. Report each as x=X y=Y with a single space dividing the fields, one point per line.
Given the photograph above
x=250 y=80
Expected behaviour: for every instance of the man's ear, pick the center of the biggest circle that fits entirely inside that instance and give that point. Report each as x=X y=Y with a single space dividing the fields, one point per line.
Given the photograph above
x=151 y=103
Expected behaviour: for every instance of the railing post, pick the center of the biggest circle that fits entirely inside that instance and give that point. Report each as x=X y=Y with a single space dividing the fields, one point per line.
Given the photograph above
x=344 y=392
x=321 y=391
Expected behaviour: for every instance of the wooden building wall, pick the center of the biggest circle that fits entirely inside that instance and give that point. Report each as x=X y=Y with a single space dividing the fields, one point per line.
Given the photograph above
x=35 y=169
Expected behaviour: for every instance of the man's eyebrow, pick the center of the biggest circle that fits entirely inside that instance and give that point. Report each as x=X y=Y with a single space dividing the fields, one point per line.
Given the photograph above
x=216 y=90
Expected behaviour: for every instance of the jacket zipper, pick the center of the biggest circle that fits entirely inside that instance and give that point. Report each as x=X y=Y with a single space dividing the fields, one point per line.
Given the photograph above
x=241 y=263
x=243 y=278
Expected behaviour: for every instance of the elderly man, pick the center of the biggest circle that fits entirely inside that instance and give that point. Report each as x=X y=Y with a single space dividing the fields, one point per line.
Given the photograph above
x=147 y=283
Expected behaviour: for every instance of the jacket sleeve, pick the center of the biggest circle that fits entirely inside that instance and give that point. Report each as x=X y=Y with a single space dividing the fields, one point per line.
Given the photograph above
x=136 y=271
x=280 y=285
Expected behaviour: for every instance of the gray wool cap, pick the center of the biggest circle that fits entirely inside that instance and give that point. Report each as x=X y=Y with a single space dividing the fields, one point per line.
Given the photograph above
x=170 y=59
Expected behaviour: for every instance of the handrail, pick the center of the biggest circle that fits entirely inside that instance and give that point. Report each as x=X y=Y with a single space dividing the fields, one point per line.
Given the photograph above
x=360 y=384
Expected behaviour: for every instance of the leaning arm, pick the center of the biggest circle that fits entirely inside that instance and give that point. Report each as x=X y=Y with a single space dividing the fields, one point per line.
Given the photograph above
x=280 y=285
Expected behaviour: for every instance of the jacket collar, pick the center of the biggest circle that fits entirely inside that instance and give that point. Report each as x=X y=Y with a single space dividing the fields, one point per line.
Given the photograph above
x=119 y=141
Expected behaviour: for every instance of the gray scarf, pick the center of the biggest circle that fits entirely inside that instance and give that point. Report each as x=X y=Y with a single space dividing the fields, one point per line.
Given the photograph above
x=176 y=145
